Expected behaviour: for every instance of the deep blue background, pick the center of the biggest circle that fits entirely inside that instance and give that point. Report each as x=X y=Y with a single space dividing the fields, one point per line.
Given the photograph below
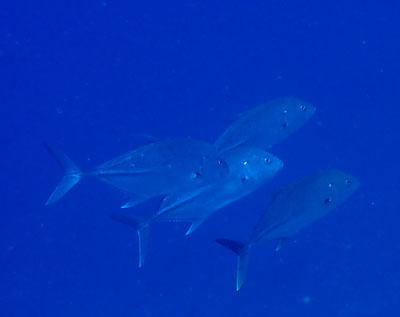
x=89 y=76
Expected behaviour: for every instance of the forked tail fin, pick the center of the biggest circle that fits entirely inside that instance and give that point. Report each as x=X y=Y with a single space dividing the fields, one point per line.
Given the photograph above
x=72 y=175
x=142 y=229
x=242 y=252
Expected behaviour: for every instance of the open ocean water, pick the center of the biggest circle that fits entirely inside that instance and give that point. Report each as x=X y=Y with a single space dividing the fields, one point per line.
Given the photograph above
x=94 y=77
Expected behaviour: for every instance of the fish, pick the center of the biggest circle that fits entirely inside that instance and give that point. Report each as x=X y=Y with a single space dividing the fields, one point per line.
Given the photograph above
x=249 y=168
x=292 y=209
x=266 y=125
x=152 y=170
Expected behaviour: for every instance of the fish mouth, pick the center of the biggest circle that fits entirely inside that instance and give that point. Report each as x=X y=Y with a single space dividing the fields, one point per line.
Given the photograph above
x=280 y=164
x=277 y=162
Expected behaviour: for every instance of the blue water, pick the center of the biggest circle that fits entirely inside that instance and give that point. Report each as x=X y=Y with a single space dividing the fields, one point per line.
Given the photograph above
x=90 y=76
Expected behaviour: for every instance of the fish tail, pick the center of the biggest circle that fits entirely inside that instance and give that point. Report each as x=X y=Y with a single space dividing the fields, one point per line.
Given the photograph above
x=72 y=174
x=142 y=229
x=241 y=250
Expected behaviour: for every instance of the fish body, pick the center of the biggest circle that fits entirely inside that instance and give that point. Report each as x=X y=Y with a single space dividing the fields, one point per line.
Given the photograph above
x=249 y=168
x=266 y=125
x=155 y=169
x=294 y=208
x=164 y=167
x=302 y=203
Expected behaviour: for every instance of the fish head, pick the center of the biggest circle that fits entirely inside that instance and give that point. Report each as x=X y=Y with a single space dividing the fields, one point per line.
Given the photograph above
x=221 y=166
x=248 y=163
x=336 y=186
x=263 y=165
x=294 y=112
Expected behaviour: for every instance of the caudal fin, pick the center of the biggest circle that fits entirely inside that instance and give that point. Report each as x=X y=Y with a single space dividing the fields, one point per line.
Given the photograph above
x=142 y=229
x=242 y=252
x=72 y=175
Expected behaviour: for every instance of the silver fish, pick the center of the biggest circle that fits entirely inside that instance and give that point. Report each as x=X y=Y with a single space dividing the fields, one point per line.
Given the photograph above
x=266 y=125
x=249 y=168
x=294 y=208
x=153 y=170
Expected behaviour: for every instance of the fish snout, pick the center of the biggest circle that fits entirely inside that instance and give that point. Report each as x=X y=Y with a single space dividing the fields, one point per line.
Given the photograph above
x=273 y=161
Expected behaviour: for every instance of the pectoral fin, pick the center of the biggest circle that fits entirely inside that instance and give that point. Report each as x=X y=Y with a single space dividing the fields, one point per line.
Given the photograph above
x=134 y=201
x=195 y=224
x=281 y=242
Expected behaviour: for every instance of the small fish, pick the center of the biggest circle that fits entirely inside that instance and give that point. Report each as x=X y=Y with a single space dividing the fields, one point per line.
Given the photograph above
x=156 y=169
x=249 y=168
x=266 y=125
x=292 y=209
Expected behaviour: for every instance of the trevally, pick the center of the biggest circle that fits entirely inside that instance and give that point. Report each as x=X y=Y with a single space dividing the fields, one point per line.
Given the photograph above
x=266 y=125
x=249 y=168
x=294 y=208
x=156 y=169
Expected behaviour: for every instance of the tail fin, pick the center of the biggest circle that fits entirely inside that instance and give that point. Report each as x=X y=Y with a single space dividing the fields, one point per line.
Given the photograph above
x=72 y=175
x=142 y=229
x=242 y=252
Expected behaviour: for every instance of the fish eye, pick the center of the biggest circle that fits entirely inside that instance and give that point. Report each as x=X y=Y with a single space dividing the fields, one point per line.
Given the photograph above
x=285 y=110
x=267 y=160
x=284 y=124
x=196 y=174
x=327 y=200
x=220 y=162
x=303 y=107
x=245 y=163
x=243 y=179
x=347 y=181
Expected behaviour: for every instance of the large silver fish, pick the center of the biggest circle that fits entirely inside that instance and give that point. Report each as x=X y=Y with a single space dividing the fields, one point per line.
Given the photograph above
x=153 y=170
x=249 y=168
x=294 y=208
x=266 y=125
